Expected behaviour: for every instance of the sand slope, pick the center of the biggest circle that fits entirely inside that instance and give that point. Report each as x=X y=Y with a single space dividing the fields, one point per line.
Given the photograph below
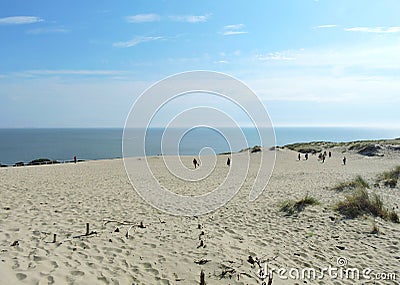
x=38 y=202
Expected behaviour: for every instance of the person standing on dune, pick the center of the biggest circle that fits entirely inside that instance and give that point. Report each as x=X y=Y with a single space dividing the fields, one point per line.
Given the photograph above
x=195 y=163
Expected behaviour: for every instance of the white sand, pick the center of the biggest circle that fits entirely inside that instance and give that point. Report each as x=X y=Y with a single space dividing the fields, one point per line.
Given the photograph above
x=39 y=201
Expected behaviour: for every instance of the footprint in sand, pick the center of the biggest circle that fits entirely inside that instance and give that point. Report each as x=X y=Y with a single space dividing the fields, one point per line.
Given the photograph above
x=20 y=276
x=152 y=245
x=50 y=279
x=54 y=264
x=38 y=258
x=77 y=273
x=149 y=268
x=98 y=257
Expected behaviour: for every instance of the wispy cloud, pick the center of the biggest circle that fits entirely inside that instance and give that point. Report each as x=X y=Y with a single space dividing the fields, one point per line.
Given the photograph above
x=142 y=18
x=236 y=29
x=325 y=26
x=222 y=61
x=135 y=41
x=70 y=72
x=276 y=56
x=190 y=18
x=20 y=20
x=39 y=31
x=377 y=30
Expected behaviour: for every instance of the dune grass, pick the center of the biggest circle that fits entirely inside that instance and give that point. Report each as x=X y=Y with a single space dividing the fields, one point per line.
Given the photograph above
x=357 y=182
x=361 y=203
x=390 y=178
x=293 y=207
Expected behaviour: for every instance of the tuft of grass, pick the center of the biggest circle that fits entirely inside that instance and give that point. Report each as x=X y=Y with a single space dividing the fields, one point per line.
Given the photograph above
x=294 y=207
x=361 y=203
x=393 y=217
x=358 y=182
x=390 y=178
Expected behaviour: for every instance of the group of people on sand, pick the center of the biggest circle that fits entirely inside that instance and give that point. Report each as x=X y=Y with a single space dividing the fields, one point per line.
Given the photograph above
x=196 y=164
x=322 y=156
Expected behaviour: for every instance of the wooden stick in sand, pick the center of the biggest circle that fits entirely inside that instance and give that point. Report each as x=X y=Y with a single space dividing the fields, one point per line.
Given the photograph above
x=202 y=278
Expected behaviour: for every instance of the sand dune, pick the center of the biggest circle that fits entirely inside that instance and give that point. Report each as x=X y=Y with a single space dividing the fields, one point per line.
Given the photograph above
x=40 y=201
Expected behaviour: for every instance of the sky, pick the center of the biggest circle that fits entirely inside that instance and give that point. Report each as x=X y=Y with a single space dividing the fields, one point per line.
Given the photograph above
x=311 y=63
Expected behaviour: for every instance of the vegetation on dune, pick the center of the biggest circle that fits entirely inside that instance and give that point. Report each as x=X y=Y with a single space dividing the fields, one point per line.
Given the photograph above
x=390 y=178
x=363 y=147
x=294 y=207
x=361 y=203
x=311 y=147
x=358 y=182
x=41 y=161
x=253 y=149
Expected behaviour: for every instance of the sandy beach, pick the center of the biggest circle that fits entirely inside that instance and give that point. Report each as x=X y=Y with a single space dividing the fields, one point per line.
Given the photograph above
x=130 y=242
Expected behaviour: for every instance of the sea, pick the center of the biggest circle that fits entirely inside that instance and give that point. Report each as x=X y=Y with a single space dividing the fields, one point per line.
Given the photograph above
x=25 y=145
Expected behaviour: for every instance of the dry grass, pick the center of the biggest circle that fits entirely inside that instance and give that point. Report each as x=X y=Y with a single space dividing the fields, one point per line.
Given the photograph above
x=294 y=207
x=390 y=178
x=361 y=203
x=358 y=182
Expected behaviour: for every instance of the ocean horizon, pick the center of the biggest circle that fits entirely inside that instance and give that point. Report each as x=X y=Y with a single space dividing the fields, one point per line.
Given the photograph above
x=62 y=144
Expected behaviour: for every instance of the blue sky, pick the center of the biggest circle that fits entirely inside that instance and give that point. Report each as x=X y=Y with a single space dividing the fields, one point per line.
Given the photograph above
x=83 y=63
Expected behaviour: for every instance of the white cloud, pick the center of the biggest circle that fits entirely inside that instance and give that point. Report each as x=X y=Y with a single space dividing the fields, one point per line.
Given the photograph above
x=141 y=18
x=135 y=41
x=190 y=18
x=48 y=31
x=325 y=26
x=276 y=56
x=71 y=72
x=367 y=73
x=20 y=20
x=378 y=30
x=327 y=88
x=236 y=29
x=230 y=33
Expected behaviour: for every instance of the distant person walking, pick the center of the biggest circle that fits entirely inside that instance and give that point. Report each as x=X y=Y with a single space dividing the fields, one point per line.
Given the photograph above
x=344 y=160
x=74 y=158
x=323 y=158
x=330 y=154
x=306 y=156
x=195 y=163
x=228 y=162
x=299 y=156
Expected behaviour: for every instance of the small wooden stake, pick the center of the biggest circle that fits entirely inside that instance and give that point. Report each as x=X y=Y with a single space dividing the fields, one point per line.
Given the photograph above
x=202 y=278
x=87 y=229
x=54 y=238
